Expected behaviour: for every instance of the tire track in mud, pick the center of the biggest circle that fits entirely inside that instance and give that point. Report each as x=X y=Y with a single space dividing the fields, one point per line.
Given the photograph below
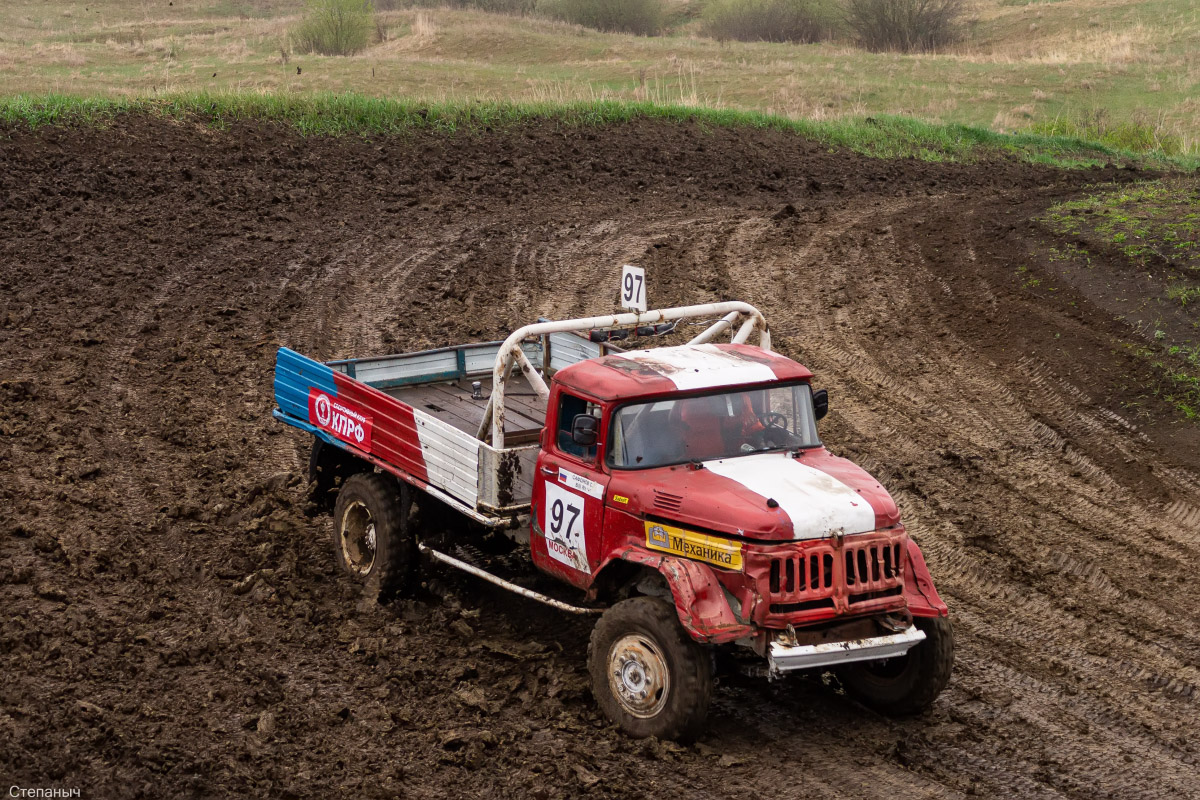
x=1035 y=616
x=1006 y=601
x=1061 y=530
x=964 y=414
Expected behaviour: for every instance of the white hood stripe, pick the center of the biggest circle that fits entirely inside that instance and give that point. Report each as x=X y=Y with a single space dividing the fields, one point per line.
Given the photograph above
x=817 y=503
x=701 y=366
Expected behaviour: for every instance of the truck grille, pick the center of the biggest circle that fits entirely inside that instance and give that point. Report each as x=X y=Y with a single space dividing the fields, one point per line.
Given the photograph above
x=837 y=576
x=803 y=573
x=873 y=566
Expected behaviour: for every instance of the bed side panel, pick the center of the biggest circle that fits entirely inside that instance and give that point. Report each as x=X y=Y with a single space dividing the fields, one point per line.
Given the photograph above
x=451 y=457
x=567 y=349
x=506 y=476
x=350 y=414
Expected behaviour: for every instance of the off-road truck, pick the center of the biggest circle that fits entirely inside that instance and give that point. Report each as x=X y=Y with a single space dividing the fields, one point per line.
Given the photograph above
x=681 y=493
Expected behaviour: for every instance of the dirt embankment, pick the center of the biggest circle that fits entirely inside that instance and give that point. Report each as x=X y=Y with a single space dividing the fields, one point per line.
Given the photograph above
x=173 y=624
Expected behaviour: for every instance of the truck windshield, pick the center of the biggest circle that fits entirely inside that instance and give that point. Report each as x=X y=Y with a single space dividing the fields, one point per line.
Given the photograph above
x=711 y=426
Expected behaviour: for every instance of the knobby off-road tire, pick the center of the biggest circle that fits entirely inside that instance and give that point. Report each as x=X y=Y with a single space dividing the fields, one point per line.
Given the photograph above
x=908 y=684
x=373 y=533
x=648 y=676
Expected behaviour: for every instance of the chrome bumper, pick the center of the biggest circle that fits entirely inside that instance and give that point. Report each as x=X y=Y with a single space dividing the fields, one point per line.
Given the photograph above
x=784 y=658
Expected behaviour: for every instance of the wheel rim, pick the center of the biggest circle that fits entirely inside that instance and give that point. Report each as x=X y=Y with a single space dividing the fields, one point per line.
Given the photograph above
x=356 y=534
x=638 y=675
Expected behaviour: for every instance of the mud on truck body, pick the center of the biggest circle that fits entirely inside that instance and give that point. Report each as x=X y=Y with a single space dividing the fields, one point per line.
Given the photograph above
x=681 y=493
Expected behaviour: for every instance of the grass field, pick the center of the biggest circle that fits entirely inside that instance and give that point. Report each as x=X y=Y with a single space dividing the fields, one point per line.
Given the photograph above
x=1025 y=65
x=882 y=137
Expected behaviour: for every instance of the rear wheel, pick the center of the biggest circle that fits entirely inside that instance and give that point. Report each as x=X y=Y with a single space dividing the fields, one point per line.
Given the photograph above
x=373 y=534
x=648 y=676
x=909 y=683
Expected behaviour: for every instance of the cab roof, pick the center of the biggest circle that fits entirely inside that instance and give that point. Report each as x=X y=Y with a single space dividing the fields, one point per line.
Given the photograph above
x=663 y=370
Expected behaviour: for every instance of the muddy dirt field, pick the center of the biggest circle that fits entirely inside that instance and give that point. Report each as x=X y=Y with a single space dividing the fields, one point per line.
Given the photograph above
x=171 y=620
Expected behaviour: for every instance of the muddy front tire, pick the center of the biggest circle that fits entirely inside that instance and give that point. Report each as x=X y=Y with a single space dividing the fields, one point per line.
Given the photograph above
x=648 y=676
x=910 y=683
x=373 y=534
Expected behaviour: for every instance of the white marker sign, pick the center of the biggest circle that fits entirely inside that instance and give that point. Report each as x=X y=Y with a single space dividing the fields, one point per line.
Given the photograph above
x=633 y=288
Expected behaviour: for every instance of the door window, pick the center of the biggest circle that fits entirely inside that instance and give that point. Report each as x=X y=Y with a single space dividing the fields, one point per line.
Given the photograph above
x=569 y=407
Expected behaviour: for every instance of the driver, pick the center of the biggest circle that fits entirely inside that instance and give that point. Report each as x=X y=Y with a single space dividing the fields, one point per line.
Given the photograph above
x=758 y=431
x=744 y=430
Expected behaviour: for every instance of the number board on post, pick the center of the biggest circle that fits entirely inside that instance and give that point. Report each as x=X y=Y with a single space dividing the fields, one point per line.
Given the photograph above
x=633 y=288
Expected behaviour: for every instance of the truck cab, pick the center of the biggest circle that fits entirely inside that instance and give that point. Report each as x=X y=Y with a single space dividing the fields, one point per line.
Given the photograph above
x=684 y=493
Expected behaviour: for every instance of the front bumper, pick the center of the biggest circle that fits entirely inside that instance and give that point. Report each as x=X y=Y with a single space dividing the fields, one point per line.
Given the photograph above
x=783 y=658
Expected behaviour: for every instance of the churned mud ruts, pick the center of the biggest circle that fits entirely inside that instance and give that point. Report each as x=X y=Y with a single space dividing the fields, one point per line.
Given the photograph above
x=172 y=622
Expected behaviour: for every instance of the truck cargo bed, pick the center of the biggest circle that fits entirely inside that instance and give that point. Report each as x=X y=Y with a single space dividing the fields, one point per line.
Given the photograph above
x=452 y=403
x=414 y=415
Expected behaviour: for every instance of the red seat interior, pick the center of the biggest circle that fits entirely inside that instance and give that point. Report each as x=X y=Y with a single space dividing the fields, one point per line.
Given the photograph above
x=700 y=420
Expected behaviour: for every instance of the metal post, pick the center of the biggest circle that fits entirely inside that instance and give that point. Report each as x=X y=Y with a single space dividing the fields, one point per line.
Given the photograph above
x=535 y=380
x=717 y=329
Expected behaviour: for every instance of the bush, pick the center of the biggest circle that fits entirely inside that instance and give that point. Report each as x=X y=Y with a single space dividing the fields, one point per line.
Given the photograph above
x=767 y=20
x=335 y=27
x=904 y=25
x=643 y=17
x=518 y=8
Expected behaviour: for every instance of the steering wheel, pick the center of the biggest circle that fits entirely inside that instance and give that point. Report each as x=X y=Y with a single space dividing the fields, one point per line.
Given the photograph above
x=773 y=419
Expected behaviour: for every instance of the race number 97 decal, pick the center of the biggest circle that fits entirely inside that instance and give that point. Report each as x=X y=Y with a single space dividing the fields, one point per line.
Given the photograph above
x=562 y=522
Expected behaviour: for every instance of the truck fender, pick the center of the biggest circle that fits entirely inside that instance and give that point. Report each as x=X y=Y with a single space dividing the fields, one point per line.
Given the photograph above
x=922 y=597
x=329 y=466
x=699 y=597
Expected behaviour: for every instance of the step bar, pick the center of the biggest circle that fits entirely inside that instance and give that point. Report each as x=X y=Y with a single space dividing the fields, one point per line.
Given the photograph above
x=784 y=658
x=781 y=658
x=496 y=579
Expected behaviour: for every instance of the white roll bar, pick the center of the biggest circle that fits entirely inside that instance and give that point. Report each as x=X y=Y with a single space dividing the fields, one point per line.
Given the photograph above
x=510 y=351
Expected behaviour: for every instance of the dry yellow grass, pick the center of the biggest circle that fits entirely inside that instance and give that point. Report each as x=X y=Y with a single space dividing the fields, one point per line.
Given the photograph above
x=1087 y=46
x=1021 y=65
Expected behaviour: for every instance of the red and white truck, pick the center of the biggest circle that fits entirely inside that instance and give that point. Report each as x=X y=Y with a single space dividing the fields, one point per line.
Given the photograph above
x=681 y=493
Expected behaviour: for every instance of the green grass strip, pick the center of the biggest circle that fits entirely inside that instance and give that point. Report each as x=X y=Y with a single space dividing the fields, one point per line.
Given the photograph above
x=328 y=114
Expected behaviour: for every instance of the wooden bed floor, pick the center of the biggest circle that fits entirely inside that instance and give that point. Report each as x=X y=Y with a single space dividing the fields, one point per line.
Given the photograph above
x=451 y=402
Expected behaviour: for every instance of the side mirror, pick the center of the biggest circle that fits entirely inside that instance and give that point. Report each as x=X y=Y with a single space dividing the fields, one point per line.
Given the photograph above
x=585 y=429
x=820 y=403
